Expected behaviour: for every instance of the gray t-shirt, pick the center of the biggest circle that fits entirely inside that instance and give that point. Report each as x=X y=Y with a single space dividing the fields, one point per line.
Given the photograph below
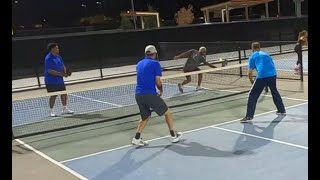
x=193 y=61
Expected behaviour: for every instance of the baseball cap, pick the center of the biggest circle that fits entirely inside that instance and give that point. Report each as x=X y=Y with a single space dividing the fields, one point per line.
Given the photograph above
x=150 y=49
x=202 y=48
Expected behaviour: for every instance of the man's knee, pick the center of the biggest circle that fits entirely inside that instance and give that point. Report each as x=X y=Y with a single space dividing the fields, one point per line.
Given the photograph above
x=167 y=113
x=146 y=118
x=188 y=78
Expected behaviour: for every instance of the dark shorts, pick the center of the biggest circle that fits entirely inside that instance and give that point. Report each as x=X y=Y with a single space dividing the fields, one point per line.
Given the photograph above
x=149 y=102
x=185 y=71
x=55 y=87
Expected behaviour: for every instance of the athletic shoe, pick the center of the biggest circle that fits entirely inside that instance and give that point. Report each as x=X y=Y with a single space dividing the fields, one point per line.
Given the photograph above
x=281 y=113
x=180 y=88
x=138 y=142
x=177 y=137
x=224 y=63
x=67 y=111
x=297 y=69
x=52 y=114
x=198 y=88
x=246 y=119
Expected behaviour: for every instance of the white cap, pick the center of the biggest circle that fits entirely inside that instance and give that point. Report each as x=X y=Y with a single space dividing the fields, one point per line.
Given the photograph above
x=202 y=48
x=150 y=49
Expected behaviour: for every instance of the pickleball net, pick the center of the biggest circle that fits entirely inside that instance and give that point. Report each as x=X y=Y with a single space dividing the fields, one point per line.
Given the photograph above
x=114 y=102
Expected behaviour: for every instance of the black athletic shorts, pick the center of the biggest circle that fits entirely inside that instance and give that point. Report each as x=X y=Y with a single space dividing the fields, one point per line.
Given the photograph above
x=149 y=102
x=185 y=71
x=55 y=87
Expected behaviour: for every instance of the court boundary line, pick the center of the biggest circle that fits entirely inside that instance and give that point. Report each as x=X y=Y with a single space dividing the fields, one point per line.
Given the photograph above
x=261 y=137
x=288 y=98
x=52 y=160
x=189 y=131
x=96 y=100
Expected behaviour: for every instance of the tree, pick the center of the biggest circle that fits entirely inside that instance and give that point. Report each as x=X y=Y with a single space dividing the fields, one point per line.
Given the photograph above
x=150 y=21
x=184 y=16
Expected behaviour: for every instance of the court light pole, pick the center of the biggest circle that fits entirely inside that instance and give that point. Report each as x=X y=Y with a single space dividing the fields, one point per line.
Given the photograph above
x=279 y=8
x=134 y=17
x=297 y=5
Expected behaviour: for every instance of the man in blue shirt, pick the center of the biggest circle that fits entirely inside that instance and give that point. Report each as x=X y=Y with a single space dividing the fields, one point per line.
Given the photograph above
x=149 y=73
x=266 y=77
x=53 y=77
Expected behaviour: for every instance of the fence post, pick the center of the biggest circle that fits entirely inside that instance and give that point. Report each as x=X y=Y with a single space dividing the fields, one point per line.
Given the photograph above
x=37 y=75
x=280 y=46
x=101 y=66
x=301 y=64
x=239 y=53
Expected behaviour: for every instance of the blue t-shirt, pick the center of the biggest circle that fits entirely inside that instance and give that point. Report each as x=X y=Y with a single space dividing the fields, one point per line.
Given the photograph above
x=147 y=70
x=263 y=64
x=55 y=63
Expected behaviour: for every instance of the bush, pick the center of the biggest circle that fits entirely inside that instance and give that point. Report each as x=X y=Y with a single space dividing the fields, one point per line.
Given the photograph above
x=184 y=16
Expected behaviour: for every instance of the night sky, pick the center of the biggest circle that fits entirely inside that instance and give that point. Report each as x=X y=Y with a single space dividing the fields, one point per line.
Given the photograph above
x=66 y=13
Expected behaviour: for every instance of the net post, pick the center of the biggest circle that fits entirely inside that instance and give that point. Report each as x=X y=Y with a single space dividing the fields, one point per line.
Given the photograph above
x=301 y=64
x=239 y=54
x=12 y=135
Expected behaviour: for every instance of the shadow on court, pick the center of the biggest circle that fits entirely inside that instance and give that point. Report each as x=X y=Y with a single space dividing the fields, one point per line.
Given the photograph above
x=20 y=149
x=196 y=149
x=125 y=166
x=246 y=144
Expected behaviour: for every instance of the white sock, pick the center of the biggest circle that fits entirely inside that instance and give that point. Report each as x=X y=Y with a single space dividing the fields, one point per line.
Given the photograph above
x=64 y=107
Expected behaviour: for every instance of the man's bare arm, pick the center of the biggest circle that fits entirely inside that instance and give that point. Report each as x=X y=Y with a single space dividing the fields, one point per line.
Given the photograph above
x=159 y=85
x=250 y=76
x=56 y=73
x=184 y=55
x=210 y=65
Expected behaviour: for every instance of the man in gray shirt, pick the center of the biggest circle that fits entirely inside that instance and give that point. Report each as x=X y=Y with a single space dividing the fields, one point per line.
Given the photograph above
x=195 y=58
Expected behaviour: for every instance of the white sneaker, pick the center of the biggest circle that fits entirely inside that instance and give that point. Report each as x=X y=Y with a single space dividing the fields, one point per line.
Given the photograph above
x=198 y=88
x=176 y=138
x=138 y=142
x=52 y=114
x=180 y=88
x=67 y=111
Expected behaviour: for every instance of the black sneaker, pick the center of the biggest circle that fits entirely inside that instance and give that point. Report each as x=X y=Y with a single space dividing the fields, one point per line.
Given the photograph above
x=246 y=119
x=224 y=63
x=281 y=113
x=180 y=88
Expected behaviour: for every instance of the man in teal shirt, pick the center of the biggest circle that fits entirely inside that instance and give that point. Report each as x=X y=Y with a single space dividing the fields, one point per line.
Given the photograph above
x=266 y=77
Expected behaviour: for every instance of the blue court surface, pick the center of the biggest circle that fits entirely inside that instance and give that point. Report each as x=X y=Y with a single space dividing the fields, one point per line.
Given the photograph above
x=270 y=148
